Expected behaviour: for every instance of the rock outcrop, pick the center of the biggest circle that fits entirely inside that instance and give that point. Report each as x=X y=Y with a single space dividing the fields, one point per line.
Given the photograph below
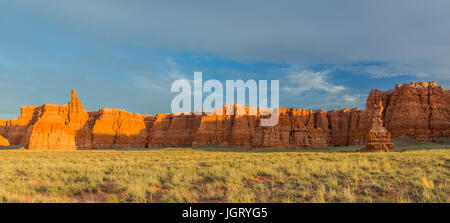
x=343 y=125
x=3 y=141
x=378 y=139
x=418 y=110
x=296 y=129
x=18 y=131
x=49 y=131
x=119 y=128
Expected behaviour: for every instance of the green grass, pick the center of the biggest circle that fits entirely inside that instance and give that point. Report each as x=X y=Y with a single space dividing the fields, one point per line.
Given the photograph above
x=223 y=175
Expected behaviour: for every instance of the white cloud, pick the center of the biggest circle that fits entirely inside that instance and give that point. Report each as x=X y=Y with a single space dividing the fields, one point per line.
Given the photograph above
x=350 y=98
x=316 y=90
x=300 y=81
x=344 y=100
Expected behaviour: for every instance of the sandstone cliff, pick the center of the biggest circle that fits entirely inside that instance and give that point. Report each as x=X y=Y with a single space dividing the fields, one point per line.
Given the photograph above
x=119 y=128
x=3 y=141
x=418 y=110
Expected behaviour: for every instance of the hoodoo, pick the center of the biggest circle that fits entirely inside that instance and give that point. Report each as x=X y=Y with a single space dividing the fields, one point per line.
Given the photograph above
x=378 y=138
x=418 y=110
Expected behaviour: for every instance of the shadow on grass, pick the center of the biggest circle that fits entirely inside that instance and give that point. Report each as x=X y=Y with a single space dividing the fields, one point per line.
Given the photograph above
x=406 y=143
x=402 y=144
x=11 y=148
x=402 y=148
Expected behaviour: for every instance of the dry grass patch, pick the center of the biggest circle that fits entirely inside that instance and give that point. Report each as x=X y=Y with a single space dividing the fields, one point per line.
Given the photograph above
x=193 y=175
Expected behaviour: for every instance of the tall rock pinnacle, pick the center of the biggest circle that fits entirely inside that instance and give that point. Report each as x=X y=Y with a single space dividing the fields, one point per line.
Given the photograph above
x=74 y=94
x=378 y=138
x=75 y=104
x=76 y=110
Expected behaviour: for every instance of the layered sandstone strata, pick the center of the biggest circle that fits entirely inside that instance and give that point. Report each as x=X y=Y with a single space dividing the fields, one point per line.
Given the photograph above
x=296 y=129
x=119 y=128
x=70 y=127
x=343 y=125
x=18 y=131
x=378 y=139
x=418 y=110
x=49 y=131
x=173 y=130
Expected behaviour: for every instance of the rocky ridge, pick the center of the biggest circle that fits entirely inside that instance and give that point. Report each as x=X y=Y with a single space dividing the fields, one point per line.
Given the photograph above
x=418 y=110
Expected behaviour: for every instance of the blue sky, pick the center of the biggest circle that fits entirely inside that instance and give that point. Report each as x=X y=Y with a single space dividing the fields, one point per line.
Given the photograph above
x=125 y=54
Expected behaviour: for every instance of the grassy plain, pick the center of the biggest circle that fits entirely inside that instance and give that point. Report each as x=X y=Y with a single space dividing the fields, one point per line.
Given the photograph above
x=223 y=175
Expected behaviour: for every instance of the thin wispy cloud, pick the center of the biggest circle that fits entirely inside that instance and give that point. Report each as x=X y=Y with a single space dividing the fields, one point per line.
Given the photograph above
x=375 y=69
x=299 y=81
x=317 y=89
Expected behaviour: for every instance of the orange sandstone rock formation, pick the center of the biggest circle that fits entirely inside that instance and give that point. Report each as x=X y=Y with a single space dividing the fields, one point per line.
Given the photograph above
x=378 y=139
x=49 y=131
x=343 y=125
x=419 y=110
x=3 y=141
x=119 y=128
x=296 y=129
x=18 y=131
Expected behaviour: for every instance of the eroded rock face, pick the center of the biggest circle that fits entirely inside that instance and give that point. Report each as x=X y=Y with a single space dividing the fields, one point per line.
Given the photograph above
x=418 y=110
x=343 y=124
x=18 y=131
x=296 y=129
x=60 y=127
x=49 y=131
x=174 y=130
x=119 y=128
x=3 y=141
x=378 y=139
x=213 y=130
x=158 y=134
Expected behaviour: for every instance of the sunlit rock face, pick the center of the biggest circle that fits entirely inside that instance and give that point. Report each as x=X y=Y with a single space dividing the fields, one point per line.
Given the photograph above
x=119 y=128
x=18 y=131
x=4 y=141
x=173 y=130
x=60 y=127
x=418 y=110
x=49 y=131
